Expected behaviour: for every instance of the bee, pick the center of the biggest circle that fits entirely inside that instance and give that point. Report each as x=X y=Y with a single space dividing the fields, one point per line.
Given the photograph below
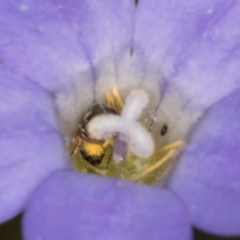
x=92 y=150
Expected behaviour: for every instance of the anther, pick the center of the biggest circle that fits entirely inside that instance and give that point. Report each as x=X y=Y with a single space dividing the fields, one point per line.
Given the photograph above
x=147 y=170
x=176 y=144
x=110 y=99
x=116 y=94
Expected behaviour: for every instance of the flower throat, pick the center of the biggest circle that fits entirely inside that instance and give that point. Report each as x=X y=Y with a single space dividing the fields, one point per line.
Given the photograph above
x=111 y=141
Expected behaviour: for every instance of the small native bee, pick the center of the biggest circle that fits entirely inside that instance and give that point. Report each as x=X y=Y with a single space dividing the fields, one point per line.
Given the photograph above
x=92 y=150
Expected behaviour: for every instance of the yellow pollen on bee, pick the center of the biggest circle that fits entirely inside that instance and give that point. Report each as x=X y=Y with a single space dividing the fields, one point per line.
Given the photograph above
x=93 y=148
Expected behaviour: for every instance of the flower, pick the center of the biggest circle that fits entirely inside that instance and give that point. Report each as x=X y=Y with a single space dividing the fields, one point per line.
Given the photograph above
x=58 y=56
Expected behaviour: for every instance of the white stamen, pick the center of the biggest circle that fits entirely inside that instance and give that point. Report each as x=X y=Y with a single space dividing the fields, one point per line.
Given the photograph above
x=138 y=139
x=136 y=101
x=104 y=126
x=135 y=135
x=141 y=142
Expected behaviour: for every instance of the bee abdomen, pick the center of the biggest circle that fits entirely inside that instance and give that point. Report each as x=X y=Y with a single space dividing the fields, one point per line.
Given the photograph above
x=92 y=159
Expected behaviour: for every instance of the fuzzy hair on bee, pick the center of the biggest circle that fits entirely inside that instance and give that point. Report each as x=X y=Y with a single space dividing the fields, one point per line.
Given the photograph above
x=92 y=150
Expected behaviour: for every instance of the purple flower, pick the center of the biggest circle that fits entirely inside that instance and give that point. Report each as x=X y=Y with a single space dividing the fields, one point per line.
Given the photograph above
x=57 y=56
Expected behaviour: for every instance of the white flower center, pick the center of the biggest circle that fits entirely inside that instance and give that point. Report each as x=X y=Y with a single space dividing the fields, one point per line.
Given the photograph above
x=150 y=118
x=138 y=139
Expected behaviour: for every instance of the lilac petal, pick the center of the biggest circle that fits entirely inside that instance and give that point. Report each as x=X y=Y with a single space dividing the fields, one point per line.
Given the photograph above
x=193 y=46
x=50 y=43
x=54 y=42
x=76 y=206
x=31 y=145
x=207 y=177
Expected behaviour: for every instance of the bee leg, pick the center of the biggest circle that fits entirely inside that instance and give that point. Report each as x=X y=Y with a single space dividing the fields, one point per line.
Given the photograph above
x=108 y=141
x=107 y=157
x=76 y=145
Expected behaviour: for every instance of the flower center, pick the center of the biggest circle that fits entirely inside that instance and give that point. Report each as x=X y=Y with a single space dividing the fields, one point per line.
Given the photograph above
x=112 y=140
